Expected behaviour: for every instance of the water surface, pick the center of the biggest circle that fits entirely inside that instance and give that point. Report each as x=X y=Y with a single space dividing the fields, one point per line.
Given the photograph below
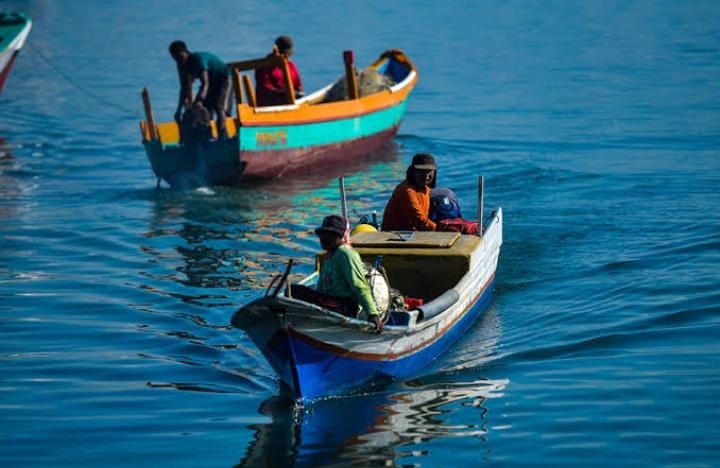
x=596 y=126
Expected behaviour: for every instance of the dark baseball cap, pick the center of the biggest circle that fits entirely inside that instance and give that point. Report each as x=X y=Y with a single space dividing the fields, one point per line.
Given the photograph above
x=423 y=161
x=334 y=224
x=284 y=43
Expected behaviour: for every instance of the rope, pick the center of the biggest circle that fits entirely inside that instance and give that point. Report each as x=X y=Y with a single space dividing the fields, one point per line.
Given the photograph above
x=79 y=86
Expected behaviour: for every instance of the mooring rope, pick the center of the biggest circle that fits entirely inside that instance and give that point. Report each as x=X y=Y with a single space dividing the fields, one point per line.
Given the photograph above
x=79 y=86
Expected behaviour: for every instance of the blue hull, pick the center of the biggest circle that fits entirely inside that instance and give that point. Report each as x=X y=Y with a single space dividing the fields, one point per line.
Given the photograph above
x=312 y=370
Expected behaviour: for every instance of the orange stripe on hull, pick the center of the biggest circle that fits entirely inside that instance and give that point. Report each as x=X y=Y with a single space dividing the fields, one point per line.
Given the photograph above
x=310 y=113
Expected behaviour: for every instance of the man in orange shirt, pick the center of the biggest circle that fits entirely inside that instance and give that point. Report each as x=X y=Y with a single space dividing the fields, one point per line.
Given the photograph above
x=409 y=205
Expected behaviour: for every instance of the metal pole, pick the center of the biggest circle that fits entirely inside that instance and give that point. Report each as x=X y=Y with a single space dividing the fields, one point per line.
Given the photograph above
x=343 y=206
x=343 y=200
x=480 y=205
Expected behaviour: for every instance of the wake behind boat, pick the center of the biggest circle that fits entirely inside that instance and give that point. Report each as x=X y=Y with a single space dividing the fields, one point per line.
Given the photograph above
x=308 y=133
x=14 y=30
x=318 y=352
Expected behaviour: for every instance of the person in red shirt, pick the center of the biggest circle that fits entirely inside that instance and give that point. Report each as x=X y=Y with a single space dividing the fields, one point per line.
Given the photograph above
x=269 y=81
x=409 y=205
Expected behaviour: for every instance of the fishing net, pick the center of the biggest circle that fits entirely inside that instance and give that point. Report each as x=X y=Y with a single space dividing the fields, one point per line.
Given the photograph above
x=369 y=80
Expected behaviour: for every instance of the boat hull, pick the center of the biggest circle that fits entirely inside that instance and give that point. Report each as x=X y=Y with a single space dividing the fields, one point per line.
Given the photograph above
x=273 y=163
x=312 y=369
x=7 y=59
x=212 y=163
x=12 y=39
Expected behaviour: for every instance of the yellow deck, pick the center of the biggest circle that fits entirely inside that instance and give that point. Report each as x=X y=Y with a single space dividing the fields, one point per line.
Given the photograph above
x=425 y=266
x=405 y=239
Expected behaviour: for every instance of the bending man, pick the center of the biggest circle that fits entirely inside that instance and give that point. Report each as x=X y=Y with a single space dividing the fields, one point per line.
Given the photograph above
x=214 y=76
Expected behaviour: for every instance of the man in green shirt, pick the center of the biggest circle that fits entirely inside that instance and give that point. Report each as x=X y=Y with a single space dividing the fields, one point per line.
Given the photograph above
x=342 y=273
x=214 y=76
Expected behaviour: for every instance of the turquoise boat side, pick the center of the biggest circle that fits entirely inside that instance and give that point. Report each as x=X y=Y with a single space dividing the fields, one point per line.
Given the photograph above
x=11 y=25
x=321 y=133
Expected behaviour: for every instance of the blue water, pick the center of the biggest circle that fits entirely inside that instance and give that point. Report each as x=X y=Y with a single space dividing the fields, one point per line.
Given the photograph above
x=596 y=126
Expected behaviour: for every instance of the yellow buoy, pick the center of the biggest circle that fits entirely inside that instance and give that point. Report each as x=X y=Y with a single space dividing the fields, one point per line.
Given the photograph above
x=363 y=228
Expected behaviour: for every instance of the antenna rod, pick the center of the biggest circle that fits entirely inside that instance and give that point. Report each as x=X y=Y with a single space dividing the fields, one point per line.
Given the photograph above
x=480 y=205
x=343 y=200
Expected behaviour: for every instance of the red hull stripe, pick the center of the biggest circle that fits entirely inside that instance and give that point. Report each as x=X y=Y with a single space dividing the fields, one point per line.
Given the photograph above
x=276 y=163
x=6 y=72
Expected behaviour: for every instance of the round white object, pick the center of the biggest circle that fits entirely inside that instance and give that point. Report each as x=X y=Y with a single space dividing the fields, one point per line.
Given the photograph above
x=379 y=287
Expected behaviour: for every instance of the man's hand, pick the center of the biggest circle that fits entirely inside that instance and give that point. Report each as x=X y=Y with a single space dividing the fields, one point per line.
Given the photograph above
x=378 y=324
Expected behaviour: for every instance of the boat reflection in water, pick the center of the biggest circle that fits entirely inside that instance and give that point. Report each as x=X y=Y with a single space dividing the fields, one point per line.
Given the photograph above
x=376 y=429
x=238 y=238
x=390 y=426
x=12 y=188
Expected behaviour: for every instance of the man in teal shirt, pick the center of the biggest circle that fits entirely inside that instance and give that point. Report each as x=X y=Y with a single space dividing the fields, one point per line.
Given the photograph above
x=342 y=273
x=214 y=76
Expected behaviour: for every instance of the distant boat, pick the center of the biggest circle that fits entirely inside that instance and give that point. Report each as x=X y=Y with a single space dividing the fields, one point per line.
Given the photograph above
x=14 y=30
x=318 y=352
x=307 y=133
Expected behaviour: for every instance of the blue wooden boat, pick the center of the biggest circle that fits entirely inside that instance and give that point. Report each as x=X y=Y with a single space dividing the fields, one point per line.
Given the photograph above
x=377 y=424
x=317 y=352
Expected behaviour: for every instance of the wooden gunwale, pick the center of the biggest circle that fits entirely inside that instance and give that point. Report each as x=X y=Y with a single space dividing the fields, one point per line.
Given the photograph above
x=390 y=356
x=312 y=113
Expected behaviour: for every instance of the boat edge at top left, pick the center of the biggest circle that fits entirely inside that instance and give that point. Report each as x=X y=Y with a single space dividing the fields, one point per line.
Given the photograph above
x=14 y=30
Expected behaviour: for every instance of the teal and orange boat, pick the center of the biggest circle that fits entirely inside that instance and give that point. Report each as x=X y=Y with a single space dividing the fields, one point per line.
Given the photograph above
x=302 y=135
x=14 y=30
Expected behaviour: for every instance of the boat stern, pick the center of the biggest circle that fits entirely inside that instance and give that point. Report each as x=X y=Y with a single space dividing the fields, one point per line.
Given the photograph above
x=207 y=161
